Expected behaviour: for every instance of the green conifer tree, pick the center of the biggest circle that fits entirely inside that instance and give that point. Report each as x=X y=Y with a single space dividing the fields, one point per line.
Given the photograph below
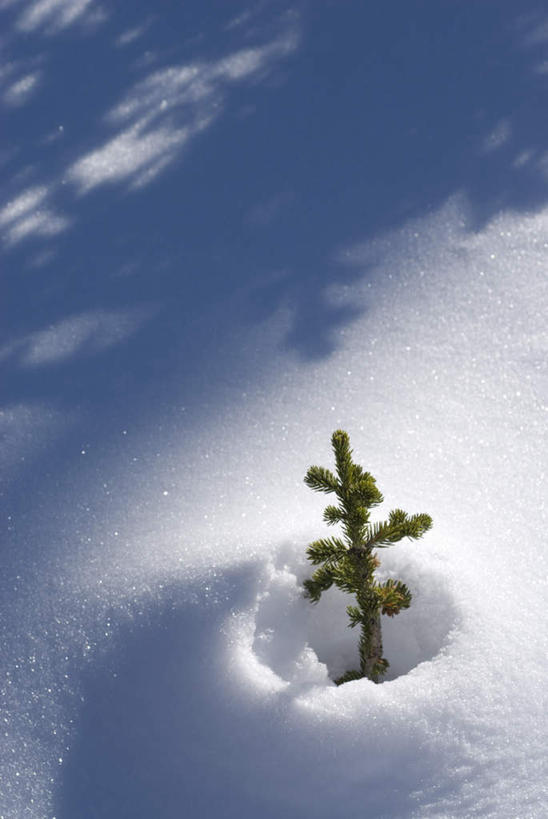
x=350 y=562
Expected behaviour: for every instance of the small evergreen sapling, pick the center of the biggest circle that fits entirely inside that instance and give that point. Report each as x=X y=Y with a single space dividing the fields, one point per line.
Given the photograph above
x=349 y=562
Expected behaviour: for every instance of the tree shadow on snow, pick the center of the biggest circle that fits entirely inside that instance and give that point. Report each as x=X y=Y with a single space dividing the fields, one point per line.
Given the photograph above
x=178 y=180
x=351 y=119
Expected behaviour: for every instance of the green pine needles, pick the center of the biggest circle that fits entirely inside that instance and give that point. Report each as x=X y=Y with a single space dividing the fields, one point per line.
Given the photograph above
x=350 y=562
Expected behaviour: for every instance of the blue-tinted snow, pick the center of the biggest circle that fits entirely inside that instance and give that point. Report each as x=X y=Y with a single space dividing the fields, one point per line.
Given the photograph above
x=229 y=229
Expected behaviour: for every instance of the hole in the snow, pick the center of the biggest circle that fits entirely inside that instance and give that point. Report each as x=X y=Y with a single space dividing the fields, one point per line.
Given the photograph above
x=313 y=644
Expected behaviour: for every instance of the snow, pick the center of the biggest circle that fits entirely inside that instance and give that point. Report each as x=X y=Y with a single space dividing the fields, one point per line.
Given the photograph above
x=158 y=657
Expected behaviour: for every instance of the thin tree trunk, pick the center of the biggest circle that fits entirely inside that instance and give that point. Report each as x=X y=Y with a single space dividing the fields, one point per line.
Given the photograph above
x=371 y=646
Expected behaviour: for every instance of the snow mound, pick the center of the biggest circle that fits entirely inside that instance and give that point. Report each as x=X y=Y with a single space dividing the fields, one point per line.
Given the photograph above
x=286 y=644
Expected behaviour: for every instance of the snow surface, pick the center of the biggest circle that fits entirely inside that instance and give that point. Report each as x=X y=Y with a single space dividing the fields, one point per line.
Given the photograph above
x=158 y=657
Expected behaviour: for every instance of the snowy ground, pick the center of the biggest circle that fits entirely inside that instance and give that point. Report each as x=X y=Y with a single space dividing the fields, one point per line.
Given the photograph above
x=185 y=332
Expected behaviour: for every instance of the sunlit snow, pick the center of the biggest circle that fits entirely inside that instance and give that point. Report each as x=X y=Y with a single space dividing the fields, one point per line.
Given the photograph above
x=158 y=656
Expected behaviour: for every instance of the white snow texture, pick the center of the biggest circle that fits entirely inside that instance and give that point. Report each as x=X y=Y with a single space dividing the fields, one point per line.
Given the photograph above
x=459 y=727
x=169 y=590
